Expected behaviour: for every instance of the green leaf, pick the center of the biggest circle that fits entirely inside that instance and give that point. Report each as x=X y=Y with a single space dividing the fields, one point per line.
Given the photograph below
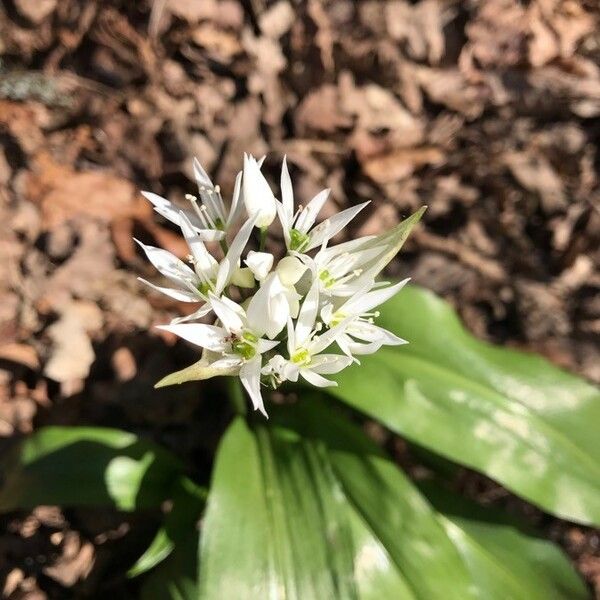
x=504 y=557
x=272 y=525
x=175 y=578
x=308 y=508
x=197 y=372
x=511 y=415
x=188 y=501
x=390 y=243
x=87 y=466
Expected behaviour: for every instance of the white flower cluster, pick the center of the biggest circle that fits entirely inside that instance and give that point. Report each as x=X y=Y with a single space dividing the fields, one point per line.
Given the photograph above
x=276 y=319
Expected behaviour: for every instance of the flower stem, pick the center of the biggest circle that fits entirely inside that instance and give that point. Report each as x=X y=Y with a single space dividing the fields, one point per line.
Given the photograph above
x=224 y=246
x=263 y=238
x=236 y=395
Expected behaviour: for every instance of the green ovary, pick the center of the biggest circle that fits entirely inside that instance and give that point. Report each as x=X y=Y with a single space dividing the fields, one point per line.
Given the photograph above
x=326 y=278
x=298 y=240
x=204 y=287
x=336 y=319
x=246 y=345
x=245 y=349
x=301 y=357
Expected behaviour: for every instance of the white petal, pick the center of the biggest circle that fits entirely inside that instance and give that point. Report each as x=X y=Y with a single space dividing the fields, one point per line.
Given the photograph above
x=291 y=338
x=203 y=260
x=240 y=241
x=344 y=341
x=362 y=349
x=207 y=336
x=260 y=263
x=243 y=278
x=258 y=197
x=236 y=204
x=370 y=300
x=319 y=343
x=316 y=379
x=330 y=227
x=163 y=207
x=170 y=266
x=268 y=310
x=373 y=333
x=307 y=217
x=327 y=364
x=250 y=378
x=290 y=269
x=181 y=295
x=266 y=345
x=327 y=313
x=159 y=201
x=201 y=176
x=198 y=314
x=308 y=314
x=286 y=224
x=227 y=362
x=287 y=192
x=229 y=317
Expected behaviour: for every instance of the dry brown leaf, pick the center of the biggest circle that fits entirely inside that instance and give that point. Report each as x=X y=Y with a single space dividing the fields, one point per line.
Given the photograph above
x=320 y=110
x=75 y=563
x=537 y=175
x=277 y=19
x=72 y=353
x=36 y=10
x=22 y=354
x=227 y=13
x=401 y=163
x=64 y=193
x=450 y=88
x=420 y=26
x=377 y=108
x=220 y=43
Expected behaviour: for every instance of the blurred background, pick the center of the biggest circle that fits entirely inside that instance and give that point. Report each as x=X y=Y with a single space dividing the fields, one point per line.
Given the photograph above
x=487 y=111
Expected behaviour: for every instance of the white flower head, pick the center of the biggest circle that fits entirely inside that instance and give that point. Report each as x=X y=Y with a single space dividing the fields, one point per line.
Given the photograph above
x=304 y=313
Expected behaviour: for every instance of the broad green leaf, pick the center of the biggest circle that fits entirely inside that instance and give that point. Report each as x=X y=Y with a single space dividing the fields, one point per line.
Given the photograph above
x=377 y=578
x=273 y=526
x=188 y=500
x=505 y=559
x=511 y=415
x=319 y=513
x=423 y=558
x=86 y=466
x=175 y=578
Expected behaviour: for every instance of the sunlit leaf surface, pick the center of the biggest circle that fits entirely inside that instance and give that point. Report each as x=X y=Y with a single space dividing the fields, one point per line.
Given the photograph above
x=511 y=415
x=307 y=507
x=86 y=466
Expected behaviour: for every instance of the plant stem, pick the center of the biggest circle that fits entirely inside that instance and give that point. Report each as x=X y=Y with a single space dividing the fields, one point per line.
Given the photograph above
x=224 y=246
x=263 y=238
x=236 y=395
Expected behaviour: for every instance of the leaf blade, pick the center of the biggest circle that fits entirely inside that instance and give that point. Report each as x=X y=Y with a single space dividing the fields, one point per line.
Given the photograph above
x=471 y=403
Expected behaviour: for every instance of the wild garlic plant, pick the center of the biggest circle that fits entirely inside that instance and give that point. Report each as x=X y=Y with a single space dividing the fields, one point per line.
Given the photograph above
x=305 y=313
